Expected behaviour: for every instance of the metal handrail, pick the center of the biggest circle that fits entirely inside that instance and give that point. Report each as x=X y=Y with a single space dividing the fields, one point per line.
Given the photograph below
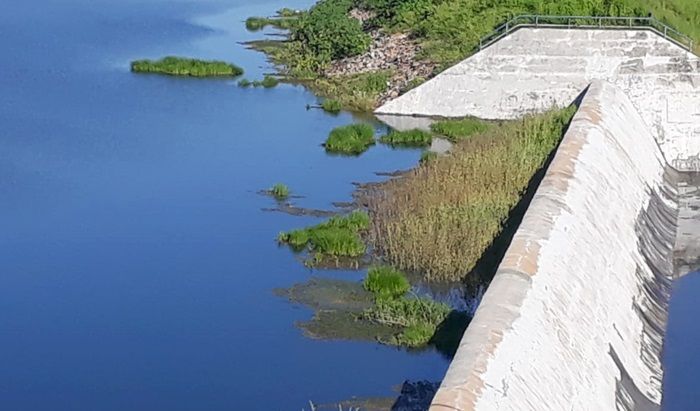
x=598 y=22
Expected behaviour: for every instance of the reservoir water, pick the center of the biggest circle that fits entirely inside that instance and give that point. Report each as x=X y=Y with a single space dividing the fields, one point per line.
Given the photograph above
x=137 y=267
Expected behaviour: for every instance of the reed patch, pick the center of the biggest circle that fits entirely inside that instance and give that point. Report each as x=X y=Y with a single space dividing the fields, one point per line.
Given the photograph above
x=180 y=66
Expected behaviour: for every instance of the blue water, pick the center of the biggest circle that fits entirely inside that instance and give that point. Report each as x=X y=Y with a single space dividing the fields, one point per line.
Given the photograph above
x=136 y=264
x=682 y=347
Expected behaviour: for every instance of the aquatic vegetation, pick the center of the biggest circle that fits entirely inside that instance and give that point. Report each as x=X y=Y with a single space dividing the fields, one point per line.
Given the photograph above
x=412 y=138
x=439 y=219
x=353 y=139
x=418 y=318
x=179 y=66
x=339 y=236
x=331 y=106
x=280 y=191
x=266 y=82
x=386 y=282
x=455 y=130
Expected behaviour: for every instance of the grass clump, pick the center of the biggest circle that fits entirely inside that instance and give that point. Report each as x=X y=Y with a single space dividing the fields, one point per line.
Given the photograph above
x=353 y=139
x=357 y=92
x=245 y=83
x=439 y=219
x=411 y=138
x=339 y=236
x=179 y=66
x=418 y=318
x=280 y=191
x=455 y=130
x=331 y=106
x=267 y=82
x=386 y=282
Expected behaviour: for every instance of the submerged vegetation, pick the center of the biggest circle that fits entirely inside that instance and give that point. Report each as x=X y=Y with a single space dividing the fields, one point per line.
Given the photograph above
x=410 y=138
x=353 y=139
x=440 y=218
x=339 y=236
x=266 y=82
x=179 y=66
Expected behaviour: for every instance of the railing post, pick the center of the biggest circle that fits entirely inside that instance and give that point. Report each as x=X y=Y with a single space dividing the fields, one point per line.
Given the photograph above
x=507 y=27
x=537 y=21
x=665 y=32
x=600 y=22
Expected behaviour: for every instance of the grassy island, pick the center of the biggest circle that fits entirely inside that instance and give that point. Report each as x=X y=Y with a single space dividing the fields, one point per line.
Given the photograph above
x=180 y=66
x=351 y=140
x=337 y=237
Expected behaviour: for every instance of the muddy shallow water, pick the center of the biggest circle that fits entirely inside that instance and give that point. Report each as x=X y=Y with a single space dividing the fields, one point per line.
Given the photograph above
x=138 y=265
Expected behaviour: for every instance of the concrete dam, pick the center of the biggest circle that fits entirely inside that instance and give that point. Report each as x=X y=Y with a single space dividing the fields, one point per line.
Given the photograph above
x=576 y=314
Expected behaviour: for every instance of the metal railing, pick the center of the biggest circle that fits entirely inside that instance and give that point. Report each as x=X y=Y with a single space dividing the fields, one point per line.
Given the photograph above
x=589 y=22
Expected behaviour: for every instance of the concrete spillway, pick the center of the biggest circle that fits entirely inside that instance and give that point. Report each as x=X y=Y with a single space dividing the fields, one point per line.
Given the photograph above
x=576 y=314
x=535 y=69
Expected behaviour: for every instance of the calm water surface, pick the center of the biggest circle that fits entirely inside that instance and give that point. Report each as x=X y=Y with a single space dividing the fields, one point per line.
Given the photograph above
x=682 y=347
x=136 y=265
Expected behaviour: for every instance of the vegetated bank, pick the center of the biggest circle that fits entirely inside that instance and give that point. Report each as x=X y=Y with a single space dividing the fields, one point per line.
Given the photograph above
x=180 y=66
x=440 y=218
x=363 y=52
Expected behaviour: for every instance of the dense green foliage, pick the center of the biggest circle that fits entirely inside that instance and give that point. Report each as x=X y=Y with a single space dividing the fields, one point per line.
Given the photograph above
x=328 y=33
x=353 y=139
x=280 y=191
x=455 y=130
x=337 y=237
x=386 y=282
x=412 y=138
x=439 y=219
x=179 y=66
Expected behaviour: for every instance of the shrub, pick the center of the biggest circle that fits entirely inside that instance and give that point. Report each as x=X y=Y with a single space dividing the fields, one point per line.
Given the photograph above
x=353 y=139
x=329 y=33
x=179 y=66
x=386 y=282
x=413 y=138
x=454 y=130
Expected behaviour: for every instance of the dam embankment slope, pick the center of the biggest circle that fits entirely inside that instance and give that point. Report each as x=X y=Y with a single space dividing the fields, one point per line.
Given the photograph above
x=575 y=316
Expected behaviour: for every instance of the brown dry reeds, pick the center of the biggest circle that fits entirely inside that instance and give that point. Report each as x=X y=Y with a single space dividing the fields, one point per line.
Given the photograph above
x=440 y=218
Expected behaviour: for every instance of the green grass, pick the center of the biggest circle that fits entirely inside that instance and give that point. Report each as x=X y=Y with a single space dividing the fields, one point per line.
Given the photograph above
x=411 y=138
x=455 y=130
x=439 y=219
x=258 y=23
x=352 y=140
x=418 y=318
x=358 y=92
x=386 y=282
x=339 y=236
x=280 y=191
x=331 y=106
x=179 y=66
x=245 y=83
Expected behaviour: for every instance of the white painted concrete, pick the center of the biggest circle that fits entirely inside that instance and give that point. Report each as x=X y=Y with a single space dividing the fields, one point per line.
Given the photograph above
x=533 y=70
x=569 y=322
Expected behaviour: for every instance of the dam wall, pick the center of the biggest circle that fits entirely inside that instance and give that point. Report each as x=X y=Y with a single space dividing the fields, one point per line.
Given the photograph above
x=535 y=69
x=575 y=316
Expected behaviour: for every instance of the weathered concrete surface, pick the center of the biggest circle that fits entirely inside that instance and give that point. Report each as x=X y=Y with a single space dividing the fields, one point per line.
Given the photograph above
x=535 y=69
x=575 y=316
